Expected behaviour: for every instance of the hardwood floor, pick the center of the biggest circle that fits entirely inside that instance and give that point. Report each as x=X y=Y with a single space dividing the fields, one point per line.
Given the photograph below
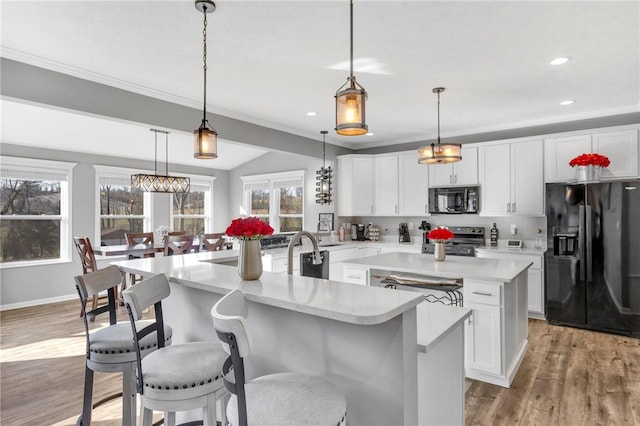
x=568 y=377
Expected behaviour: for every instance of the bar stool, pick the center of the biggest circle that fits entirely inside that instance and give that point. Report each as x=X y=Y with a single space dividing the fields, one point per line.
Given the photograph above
x=178 y=377
x=273 y=399
x=110 y=349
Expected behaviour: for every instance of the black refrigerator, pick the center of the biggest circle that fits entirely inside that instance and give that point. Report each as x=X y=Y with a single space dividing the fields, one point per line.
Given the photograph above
x=592 y=266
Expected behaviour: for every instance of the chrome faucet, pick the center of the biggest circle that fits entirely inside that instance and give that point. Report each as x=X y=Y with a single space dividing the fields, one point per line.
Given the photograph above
x=318 y=228
x=316 y=258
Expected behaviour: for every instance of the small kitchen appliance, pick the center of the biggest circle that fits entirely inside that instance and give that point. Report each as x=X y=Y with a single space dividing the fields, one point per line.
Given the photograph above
x=360 y=228
x=464 y=243
x=457 y=200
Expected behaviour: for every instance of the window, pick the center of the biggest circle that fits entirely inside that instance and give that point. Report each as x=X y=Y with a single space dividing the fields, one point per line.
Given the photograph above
x=35 y=203
x=121 y=208
x=193 y=211
x=276 y=198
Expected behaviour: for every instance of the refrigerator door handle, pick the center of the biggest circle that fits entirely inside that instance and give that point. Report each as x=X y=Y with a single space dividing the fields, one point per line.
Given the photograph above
x=589 y=244
x=581 y=242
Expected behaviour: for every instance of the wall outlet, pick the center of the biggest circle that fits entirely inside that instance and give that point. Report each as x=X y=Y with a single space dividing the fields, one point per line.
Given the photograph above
x=514 y=229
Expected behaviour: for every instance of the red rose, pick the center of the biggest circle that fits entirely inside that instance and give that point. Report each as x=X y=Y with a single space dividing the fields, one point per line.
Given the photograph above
x=250 y=228
x=591 y=159
x=440 y=235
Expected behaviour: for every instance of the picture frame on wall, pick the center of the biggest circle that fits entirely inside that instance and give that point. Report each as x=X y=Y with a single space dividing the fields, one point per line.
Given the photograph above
x=326 y=222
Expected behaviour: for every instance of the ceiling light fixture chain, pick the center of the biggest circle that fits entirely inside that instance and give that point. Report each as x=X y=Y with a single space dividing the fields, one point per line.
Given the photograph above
x=439 y=153
x=205 y=137
x=351 y=98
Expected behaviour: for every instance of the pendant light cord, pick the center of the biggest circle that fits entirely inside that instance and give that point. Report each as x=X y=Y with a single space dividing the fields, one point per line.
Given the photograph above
x=351 y=36
x=438 y=118
x=155 y=150
x=204 y=59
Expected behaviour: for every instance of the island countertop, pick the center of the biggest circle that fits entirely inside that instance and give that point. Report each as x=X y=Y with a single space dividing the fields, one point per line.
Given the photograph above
x=453 y=267
x=324 y=298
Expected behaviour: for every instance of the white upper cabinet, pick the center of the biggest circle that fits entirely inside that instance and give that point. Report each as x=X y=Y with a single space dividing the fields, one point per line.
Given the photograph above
x=355 y=185
x=413 y=185
x=461 y=173
x=620 y=146
x=511 y=180
x=386 y=185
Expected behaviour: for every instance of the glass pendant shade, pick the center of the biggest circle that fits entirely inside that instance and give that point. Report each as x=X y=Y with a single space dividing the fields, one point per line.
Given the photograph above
x=350 y=111
x=205 y=143
x=439 y=154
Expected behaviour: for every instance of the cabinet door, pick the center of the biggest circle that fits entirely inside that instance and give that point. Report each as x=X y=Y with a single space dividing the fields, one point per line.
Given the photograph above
x=355 y=275
x=535 y=294
x=386 y=185
x=440 y=175
x=495 y=178
x=622 y=149
x=413 y=186
x=482 y=335
x=527 y=182
x=465 y=171
x=362 y=192
x=557 y=154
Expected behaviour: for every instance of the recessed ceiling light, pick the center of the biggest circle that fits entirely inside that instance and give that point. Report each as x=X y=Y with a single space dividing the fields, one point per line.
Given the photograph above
x=369 y=134
x=561 y=60
x=312 y=113
x=567 y=102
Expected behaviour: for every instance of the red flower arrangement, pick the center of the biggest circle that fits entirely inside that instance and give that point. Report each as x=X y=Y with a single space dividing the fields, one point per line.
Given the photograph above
x=440 y=235
x=590 y=160
x=249 y=228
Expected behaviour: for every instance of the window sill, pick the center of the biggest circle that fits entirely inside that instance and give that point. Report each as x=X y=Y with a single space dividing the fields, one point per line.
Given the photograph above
x=30 y=263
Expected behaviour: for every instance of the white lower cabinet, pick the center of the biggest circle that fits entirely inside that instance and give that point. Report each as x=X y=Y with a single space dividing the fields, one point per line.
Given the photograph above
x=355 y=275
x=535 y=278
x=483 y=338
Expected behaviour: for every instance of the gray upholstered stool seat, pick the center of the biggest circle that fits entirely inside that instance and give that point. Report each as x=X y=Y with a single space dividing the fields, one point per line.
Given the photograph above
x=290 y=399
x=183 y=371
x=114 y=344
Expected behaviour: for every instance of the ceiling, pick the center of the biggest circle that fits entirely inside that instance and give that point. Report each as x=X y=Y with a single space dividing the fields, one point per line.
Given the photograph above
x=271 y=62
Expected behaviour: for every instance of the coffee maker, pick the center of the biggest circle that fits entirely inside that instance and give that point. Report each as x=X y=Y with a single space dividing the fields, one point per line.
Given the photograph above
x=357 y=232
x=425 y=227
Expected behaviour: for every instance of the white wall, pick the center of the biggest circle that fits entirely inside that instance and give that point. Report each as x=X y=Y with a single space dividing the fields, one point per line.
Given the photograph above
x=21 y=286
x=282 y=162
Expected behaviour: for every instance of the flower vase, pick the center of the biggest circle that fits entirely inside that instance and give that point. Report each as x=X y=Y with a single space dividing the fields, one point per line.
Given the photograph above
x=250 y=260
x=588 y=173
x=438 y=252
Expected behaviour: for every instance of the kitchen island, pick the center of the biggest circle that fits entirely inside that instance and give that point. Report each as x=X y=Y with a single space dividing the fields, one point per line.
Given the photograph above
x=364 y=340
x=496 y=292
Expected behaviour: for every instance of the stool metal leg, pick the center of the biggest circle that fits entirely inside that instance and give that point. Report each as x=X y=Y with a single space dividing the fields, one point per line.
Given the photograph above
x=88 y=396
x=128 y=395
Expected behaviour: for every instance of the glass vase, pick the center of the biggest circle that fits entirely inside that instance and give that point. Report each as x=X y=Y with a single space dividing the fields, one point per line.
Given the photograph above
x=439 y=252
x=250 y=260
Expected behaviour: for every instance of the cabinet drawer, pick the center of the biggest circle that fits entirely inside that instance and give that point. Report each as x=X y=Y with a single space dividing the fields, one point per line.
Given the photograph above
x=354 y=275
x=479 y=292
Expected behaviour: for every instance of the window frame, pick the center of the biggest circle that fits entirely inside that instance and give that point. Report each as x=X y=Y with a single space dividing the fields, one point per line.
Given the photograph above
x=32 y=166
x=271 y=182
x=119 y=173
x=198 y=180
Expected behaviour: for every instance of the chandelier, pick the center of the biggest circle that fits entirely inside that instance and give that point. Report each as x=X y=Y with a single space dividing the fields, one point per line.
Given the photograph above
x=160 y=183
x=205 y=137
x=323 y=177
x=350 y=102
x=439 y=153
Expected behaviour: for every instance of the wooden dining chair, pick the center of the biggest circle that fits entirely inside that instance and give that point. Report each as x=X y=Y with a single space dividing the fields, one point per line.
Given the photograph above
x=178 y=244
x=88 y=263
x=134 y=238
x=176 y=233
x=212 y=242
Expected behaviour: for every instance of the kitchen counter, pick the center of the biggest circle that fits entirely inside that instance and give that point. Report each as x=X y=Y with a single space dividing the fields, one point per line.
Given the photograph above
x=453 y=267
x=364 y=340
x=502 y=248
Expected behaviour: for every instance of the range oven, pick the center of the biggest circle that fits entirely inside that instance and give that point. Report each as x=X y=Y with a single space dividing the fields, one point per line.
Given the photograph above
x=464 y=243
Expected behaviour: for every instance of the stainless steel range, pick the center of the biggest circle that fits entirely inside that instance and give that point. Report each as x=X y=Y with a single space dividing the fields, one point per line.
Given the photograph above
x=276 y=241
x=466 y=239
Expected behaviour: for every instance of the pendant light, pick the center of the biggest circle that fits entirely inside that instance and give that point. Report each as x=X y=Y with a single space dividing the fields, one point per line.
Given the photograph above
x=439 y=153
x=350 y=102
x=323 y=177
x=205 y=137
x=161 y=183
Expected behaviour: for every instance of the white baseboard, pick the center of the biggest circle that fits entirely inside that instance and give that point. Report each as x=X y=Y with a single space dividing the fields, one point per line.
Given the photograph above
x=38 y=302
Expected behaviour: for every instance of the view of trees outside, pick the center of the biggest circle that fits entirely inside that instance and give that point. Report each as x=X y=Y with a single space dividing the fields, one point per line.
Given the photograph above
x=29 y=238
x=185 y=205
x=116 y=203
x=260 y=202
x=291 y=204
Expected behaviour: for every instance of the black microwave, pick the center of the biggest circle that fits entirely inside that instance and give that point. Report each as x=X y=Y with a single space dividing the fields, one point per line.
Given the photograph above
x=458 y=200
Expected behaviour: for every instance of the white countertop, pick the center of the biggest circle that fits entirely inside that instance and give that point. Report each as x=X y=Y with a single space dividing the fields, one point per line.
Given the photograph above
x=502 y=248
x=503 y=270
x=329 y=299
x=435 y=321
